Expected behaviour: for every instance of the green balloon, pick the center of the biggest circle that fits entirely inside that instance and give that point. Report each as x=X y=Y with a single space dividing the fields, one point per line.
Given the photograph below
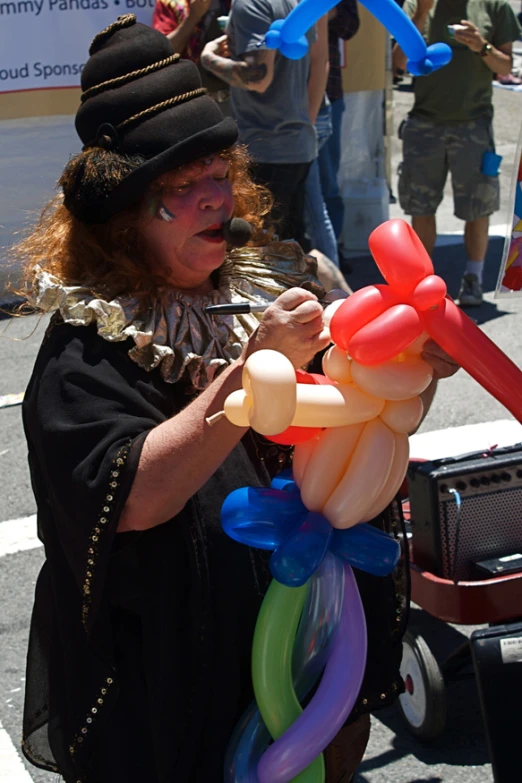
x=274 y=638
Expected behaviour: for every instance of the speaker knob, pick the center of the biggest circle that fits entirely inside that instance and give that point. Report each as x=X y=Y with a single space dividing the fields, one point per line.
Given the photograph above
x=506 y=477
x=485 y=481
x=495 y=478
x=519 y=473
x=461 y=485
x=475 y=482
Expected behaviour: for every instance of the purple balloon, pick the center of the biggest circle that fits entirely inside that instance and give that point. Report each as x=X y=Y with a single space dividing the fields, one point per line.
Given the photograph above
x=333 y=701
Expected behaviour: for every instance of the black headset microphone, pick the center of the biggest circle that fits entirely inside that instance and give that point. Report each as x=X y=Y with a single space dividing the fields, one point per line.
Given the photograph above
x=237 y=232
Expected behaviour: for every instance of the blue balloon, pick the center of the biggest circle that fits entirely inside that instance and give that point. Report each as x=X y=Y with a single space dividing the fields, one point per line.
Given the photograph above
x=276 y=519
x=284 y=480
x=298 y=557
x=367 y=548
x=289 y=35
x=261 y=517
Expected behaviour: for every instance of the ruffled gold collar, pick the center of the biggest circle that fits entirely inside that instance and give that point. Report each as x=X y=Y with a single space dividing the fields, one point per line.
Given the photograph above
x=175 y=333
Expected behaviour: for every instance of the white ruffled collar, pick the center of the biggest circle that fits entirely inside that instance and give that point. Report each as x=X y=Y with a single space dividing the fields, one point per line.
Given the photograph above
x=175 y=333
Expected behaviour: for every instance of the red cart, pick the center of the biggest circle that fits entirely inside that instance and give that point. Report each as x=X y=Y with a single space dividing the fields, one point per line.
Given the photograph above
x=493 y=599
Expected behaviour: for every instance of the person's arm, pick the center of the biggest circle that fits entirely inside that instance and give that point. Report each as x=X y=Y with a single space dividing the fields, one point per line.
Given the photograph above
x=253 y=70
x=419 y=17
x=180 y=455
x=443 y=367
x=498 y=59
x=343 y=19
x=179 y=37
x=319 y=66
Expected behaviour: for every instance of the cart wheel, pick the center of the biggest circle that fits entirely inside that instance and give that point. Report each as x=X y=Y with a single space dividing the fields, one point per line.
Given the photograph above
x=423 y=704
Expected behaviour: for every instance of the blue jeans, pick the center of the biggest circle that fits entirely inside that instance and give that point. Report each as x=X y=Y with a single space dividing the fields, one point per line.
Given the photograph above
x=329 y=160
x=318 y=225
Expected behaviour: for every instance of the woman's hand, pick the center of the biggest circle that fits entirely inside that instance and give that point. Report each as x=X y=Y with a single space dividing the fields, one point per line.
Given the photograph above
x=292 y=325
x=443 y=365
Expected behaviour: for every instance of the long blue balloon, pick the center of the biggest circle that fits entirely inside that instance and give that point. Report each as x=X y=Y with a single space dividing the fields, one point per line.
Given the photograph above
x=299 y=555
x=289 y=35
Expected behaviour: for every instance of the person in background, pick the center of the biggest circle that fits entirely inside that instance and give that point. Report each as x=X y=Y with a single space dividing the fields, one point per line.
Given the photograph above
x=450 y=125
x=189 y=24
x=343 y=23
x=275 y=102
x=319 y=229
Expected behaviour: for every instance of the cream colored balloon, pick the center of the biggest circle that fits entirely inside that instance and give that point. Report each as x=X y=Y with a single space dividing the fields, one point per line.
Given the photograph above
x=327 y=464
x=365 y=478
x=417 y=346
x=269 y=380
x=337 y=365
x=394 y=380
x=302 y=455
x=330 y=310
x=403 y=415
x=237 y=408
x=395 y=478
x=334 y=406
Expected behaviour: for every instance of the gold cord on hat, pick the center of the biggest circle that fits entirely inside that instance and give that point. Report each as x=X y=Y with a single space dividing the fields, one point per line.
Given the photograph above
x=186 y=96
x=118 y=81
x=126 y=20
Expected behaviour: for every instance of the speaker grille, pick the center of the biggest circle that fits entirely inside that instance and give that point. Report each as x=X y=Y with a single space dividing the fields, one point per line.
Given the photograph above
x=490 y=526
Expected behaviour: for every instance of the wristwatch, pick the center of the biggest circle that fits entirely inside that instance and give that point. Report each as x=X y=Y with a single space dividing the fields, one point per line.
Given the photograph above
x=486 y=50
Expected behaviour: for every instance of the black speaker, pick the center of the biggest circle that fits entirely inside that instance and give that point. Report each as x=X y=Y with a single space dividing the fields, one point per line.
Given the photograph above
x=497 y=658
x=466 y=514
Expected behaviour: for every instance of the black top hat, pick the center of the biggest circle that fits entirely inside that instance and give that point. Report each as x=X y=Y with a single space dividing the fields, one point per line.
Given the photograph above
x=139 y=98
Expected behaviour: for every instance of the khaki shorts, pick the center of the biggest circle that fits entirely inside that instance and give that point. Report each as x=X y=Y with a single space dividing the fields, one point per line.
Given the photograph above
x=430 y=151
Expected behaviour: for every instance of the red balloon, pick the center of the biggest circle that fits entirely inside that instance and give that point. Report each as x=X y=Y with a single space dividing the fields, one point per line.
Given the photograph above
x=400 y=255
x=386 y=336
x=428 y=293
x=459 y=336
x=293 y=435
x=358 y=310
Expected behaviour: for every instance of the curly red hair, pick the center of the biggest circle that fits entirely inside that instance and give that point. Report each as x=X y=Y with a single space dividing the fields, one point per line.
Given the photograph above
x=108 y=258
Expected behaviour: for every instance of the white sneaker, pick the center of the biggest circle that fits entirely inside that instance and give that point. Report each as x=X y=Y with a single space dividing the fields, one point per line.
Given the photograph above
x=470 y=294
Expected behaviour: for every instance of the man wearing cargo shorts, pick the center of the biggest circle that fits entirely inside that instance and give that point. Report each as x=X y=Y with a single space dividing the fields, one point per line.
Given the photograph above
x=449 y=127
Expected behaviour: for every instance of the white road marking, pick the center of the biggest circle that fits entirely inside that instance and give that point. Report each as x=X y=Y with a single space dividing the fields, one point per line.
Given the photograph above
x=18 y=535
x=12 y=769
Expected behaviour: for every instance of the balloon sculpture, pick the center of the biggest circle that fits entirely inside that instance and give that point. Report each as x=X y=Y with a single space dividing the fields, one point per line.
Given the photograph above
x=351 y=429
x=288 y=35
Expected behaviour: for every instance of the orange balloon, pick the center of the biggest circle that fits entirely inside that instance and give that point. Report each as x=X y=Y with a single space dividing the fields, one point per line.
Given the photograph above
x=398 y=379
x=302 y=453
x=395 y=478
x=386 y=336
x=365 y=478
x=337 y=365
x=327 y=464
x=358 y=310
x=400 y=255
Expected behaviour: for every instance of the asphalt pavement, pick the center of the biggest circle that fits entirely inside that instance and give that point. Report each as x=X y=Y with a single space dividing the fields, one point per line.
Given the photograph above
x=32 y=153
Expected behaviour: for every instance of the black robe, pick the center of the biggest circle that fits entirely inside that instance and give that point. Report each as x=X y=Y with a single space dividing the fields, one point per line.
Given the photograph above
x=139 y=653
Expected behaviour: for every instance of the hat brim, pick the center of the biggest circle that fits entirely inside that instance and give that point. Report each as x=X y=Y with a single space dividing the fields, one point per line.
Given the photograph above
x=129 y=191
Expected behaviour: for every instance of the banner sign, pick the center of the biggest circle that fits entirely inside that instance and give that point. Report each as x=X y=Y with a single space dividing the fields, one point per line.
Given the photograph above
x=45 y=43
x=510 y=277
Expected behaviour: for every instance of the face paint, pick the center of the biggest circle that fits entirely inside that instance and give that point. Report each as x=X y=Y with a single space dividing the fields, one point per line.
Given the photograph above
x=157 y=209
x=164 y=213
